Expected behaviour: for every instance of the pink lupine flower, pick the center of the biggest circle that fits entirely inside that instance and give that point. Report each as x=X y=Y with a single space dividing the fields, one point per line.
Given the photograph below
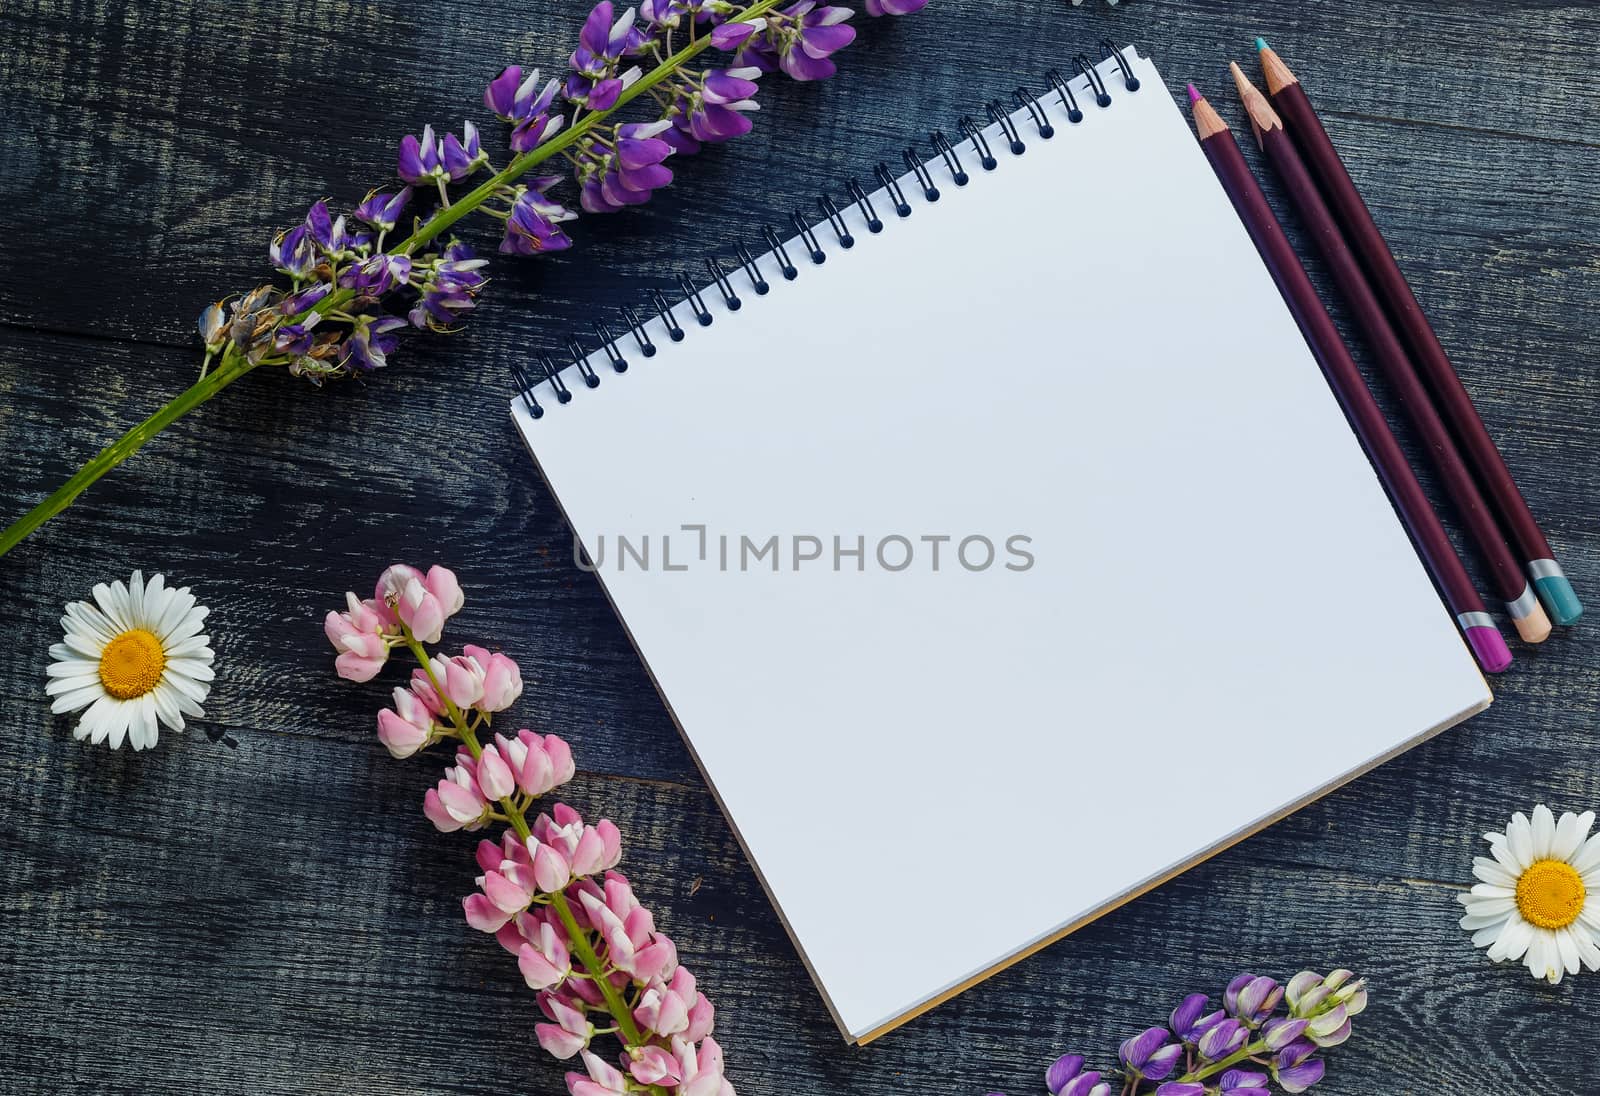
x=676 y=1008
x=603 y=1079
x=632 y=944
x=540 y=764
x=462 y=680
x=407 y=727
x=589 y=849
x=358 y=634
x=502 y=679
x=571 y=1031
x=495 y=779
x=422 y=686
x=700 y=1069
x=653 y=1065
x=422 y=602
x=455 y=803
x=547 y=962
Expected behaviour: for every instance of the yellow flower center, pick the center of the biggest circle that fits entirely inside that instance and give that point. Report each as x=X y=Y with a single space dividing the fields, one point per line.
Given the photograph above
x=1550 y=894
x=131 y=664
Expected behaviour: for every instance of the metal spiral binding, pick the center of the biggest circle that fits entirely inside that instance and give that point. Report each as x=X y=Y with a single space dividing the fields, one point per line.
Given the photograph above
x=946 y=157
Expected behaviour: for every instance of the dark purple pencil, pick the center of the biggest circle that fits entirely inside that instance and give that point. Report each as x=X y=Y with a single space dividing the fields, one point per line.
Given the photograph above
x=1346 y=381
x=1531 y=621
x=1306 y=129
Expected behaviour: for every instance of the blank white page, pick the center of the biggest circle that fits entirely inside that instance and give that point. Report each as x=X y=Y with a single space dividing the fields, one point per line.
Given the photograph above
x=937 y=771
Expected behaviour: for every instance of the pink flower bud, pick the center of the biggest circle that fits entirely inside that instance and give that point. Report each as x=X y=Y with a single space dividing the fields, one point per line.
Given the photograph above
x=570 y=1032
x=495 y=781
x=463 y=681
x=358 y=635
x=454 y=803
x=701 y=1018
x=441 y=583
x=551 y=871
x=652 y=1065
x=423 y=690
x=408 y=727
x=603 y=1079
x=483 y=914
x=421 y=612
x=560 y=760
x=504 y=893
x=502 y=682
x=558 y=1042
x=546 y=963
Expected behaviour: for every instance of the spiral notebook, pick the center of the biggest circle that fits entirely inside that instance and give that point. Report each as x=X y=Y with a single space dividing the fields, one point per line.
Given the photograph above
x=994 y=541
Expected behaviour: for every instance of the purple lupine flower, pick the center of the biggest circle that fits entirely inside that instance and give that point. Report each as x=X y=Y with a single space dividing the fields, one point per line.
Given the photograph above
x=534 y=223
x=662 y=14
x=601 y=45
x=537 y=125
x=291 y=251
x=1062 y=1070
x=327 y=231
x=382 y=211
x=1251 y=1000
x=450 y=288
x=1066 y=1078
x=296 y=303
x=1280 y=1033
x=732 y=36
x=1294 y=1067
x=1223 y=1038
x=1150 y=1054
x=462 y=156
x=377 y=274
x=369 y=344
x=630 y=172
x=820 y=33
x=1190 y=1019
x=1243 y=1082
x=718 y=110
x=895 y=7
x=295 y=338
x=420 y=160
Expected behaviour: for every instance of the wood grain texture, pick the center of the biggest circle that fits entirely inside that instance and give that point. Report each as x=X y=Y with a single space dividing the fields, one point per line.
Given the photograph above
x=277 y=917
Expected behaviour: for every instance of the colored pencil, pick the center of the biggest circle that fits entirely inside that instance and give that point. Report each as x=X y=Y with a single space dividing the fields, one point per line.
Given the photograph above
x=1344 y=377
x=1531 y=621
x=1449 y=394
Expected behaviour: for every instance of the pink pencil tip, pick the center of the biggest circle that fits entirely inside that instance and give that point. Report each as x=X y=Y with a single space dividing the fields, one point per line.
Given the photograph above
x=1194 y=94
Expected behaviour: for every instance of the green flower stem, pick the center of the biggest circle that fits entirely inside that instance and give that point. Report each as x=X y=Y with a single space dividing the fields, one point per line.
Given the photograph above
x=1244 y=1053
x=233 y=366
x=582 y=947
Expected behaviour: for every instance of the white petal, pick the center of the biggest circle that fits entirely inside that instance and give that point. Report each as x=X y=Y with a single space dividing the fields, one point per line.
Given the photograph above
x=1490 y=890
x=194 y=646
x=88 y=647
x=1567 y=947
x=1513 y=942
x=1567 y=837
x=1492 y=871
x=144 y=729
x=166 y=704
x=84 y=617
x=72 y=667
x=1588 y=857
x=56 y=686
x=95 y=721
x=117 y=723
x=1500 y=849
x=1487 y=935
x=136 y=615
x=196 y=669
x=1472 y=922
x=1588 y=951
x=156 y=597
x=77 y=698
x=1520 y=836
x=1544 y=832
x=1590 y=916
x=191 y=624
x=1490 y=907
x=113 y=602
x=175 y=613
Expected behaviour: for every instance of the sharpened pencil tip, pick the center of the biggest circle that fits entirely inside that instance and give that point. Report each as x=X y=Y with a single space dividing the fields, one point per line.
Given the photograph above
x=1194 y=94
x=1261 y=45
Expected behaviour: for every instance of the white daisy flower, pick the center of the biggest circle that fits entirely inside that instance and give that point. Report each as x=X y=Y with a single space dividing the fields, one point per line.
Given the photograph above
x=132 y=658
x=1539 y=896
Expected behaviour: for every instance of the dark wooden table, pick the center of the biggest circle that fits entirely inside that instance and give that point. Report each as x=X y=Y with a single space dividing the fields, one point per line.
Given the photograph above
x=271 y=913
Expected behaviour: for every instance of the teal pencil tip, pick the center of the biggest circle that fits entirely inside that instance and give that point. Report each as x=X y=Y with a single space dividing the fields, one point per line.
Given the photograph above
x=1261 y=45
x=1560 y=599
